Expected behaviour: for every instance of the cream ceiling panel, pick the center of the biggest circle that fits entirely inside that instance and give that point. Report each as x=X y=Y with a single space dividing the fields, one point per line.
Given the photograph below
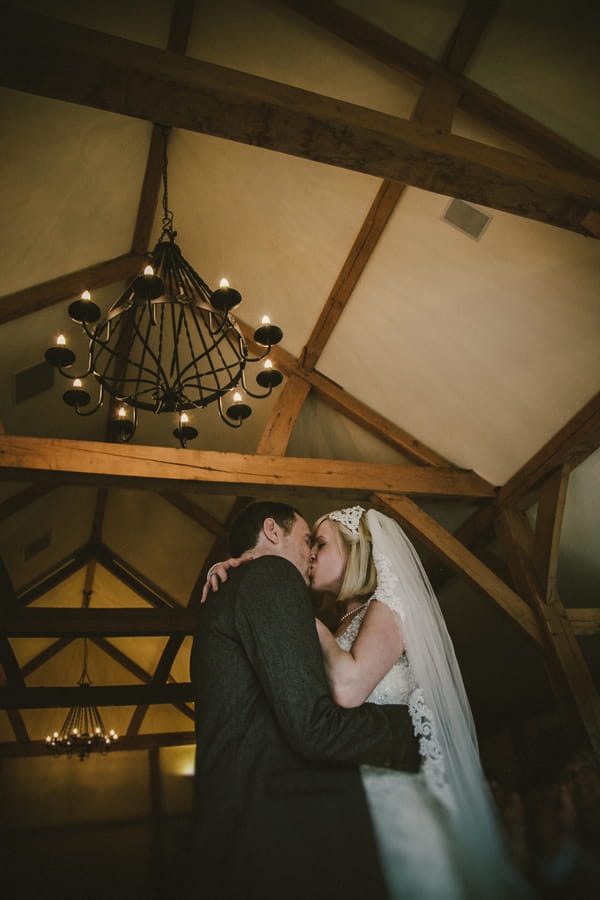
x=70 y=179
x=482 y=350
x=543 y=59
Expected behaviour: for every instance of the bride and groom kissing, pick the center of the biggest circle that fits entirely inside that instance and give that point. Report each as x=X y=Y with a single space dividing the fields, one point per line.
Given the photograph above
x=304 y=791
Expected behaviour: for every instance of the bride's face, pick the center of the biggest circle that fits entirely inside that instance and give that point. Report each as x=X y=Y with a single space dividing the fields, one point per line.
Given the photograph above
x=328 y=559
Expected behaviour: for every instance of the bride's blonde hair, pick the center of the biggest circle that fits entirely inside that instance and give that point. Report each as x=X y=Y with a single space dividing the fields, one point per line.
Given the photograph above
x=360 y=575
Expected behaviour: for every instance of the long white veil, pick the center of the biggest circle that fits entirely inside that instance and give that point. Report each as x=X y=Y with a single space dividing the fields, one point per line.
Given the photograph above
x=442 y=716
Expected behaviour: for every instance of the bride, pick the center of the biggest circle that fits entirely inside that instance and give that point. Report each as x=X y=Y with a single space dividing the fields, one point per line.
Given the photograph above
x=437 y=832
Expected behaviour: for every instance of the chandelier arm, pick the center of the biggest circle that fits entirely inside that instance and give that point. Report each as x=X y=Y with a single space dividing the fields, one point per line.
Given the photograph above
x=253 y=393
x=70 y=376
x=255 y=359
x=91 y=412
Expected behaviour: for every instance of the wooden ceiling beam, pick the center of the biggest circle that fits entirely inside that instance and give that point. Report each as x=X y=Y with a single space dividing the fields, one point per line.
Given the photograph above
x=48 y=653
x=435 y=108
x=548 y=524
x=364 y=244
x=129 y=576
x=468 y=33
x=130 y=666
x=70 y=623
x=62 y=570
x=14 y=679
x=157 y=468
x=339 y=399
x=391 y=51
x=23 y=499
x=584 y=621
x=41 y=622
x=277 y=432
x=8 y=595
x=194 y=512
x=146 y=213
x=61 y=60
x=569 y=447
x=10 y=664
x=569 y=673
x=461 y=560
x=105 y=695
x=179 y=32
x=67 y=287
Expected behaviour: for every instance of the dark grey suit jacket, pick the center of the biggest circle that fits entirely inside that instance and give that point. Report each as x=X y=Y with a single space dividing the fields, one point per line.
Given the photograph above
x=280 y=808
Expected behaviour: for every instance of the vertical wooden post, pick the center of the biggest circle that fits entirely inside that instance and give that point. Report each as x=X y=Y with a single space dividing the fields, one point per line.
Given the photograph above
x=569 y=674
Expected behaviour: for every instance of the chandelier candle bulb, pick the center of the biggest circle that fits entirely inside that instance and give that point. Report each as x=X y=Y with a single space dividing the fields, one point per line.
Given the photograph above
x=184 y=431
x=269 y=377
x=84 y=309
x=77 y=395
x=148 y=286
x=60 y=356
x=238 y=410
x=225 y=297
x=267 y=334
x=121 y=426
x=83 y=730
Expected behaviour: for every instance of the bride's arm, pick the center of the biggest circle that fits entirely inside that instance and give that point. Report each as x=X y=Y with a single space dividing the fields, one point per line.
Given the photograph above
x=353 y=674
x=217 y=574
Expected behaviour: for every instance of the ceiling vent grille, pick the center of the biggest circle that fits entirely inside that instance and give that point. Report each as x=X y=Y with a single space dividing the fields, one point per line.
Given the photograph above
x=468 y=219
x=36 y=546
x=33 y=381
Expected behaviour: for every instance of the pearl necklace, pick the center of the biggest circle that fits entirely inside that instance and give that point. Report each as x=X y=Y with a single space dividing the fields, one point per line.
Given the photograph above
x=352 y=611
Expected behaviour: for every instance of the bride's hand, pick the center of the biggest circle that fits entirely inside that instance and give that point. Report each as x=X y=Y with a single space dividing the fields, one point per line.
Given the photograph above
x=217 y=574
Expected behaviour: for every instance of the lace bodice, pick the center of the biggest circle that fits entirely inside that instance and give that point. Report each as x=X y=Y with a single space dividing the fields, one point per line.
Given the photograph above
x=397 y=685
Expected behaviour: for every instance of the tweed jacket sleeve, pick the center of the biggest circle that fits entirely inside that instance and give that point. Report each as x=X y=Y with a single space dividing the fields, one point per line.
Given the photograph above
x=275 y=623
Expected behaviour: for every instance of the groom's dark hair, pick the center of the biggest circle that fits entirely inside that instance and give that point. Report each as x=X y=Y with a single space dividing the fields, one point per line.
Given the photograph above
x=247 y=525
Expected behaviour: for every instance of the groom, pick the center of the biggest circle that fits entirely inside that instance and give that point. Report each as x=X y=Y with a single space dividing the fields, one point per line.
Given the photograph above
x=280 y=810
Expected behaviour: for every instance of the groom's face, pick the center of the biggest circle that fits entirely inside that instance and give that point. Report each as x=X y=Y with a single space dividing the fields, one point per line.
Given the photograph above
x=296 y=546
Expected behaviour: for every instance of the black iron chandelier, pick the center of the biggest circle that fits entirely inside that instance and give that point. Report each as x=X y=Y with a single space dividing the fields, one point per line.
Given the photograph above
x=83 y=730
x=169 y=344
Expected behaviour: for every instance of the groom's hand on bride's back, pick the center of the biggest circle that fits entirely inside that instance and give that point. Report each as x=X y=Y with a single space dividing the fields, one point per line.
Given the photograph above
x=406 y=756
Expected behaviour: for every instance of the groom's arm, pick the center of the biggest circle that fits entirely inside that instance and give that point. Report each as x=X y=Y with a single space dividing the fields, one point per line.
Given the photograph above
x=275 y=621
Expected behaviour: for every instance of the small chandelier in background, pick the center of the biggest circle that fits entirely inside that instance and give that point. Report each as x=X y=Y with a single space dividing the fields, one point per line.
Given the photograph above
x=83 y=730
x=169 y=344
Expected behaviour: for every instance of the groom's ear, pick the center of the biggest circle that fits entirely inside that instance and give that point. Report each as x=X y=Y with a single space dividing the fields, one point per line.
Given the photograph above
x=271 y=531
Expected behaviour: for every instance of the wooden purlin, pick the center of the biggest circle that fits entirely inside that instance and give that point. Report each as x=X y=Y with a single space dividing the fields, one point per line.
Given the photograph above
x=385 y=48
x=66 y=287
x=140 y=81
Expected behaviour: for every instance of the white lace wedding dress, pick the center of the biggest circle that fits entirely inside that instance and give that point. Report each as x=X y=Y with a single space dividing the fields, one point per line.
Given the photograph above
x=410 y=821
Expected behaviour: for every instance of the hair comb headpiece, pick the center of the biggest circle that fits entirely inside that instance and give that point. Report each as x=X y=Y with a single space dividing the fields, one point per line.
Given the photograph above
x=350 y=517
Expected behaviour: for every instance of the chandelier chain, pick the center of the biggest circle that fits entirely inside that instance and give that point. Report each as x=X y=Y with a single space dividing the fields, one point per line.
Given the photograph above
x=167 y=220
